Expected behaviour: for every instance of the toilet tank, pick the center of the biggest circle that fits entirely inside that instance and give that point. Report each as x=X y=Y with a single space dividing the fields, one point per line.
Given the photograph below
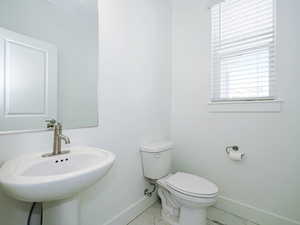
x=156 y=159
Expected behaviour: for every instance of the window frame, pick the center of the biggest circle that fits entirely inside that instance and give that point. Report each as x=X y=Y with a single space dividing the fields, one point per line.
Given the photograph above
x=257 y=104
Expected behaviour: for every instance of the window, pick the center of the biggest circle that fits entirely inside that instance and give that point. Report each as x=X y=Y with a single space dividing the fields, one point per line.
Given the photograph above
x=243 y=50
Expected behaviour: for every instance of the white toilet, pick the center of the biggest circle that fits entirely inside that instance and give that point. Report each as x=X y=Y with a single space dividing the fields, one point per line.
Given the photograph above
x=185 y=197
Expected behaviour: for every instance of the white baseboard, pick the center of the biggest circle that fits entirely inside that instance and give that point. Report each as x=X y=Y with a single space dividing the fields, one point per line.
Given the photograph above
x=130 y=213
x=253 y=214
x=226 y=210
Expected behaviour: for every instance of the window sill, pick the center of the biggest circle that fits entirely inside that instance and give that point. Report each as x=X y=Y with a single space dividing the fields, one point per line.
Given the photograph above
x=245 y=106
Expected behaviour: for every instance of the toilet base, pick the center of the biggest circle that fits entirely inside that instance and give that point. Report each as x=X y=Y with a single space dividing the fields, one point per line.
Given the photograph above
x=182 y=209
x=172 y=220
x=175 y=213
x=192 y=216
x=188 y=216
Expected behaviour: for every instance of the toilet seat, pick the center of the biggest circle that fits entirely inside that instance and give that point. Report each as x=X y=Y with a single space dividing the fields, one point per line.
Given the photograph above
x=192 y=185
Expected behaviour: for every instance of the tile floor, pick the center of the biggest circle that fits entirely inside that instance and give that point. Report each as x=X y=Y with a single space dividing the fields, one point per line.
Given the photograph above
x=150 y=216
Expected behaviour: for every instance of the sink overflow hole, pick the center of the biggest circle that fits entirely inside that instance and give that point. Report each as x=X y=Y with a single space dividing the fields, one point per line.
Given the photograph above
x=62 y=160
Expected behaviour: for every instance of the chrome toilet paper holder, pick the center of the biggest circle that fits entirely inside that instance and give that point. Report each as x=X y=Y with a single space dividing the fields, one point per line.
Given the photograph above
x=234 y=148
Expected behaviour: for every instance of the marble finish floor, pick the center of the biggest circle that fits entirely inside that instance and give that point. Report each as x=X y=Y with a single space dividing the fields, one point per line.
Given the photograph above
x=150 y=216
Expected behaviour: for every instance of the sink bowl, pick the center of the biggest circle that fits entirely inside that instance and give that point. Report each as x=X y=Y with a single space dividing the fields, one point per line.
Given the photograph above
x=33 y=178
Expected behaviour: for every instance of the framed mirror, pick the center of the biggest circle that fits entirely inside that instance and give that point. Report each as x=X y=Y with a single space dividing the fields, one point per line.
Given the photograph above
x=48 y=63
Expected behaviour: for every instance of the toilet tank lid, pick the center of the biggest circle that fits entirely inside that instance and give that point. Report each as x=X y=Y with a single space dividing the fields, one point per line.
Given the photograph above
x=157 y=146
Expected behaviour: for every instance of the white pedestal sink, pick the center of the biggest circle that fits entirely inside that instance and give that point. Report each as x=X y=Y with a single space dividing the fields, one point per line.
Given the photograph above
x=55 y=180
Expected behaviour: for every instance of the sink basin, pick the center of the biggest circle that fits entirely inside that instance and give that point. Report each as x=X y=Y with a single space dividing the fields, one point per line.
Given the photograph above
x=33 y=178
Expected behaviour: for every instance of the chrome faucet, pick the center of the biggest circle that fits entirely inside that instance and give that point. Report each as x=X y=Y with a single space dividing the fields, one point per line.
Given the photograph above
x=57 y=137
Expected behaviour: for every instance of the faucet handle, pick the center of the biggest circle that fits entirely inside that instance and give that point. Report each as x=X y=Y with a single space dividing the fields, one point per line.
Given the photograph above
x=50 y=123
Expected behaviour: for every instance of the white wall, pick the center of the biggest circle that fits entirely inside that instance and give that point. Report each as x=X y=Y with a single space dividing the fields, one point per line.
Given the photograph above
x=134 y=107
x=268 y=179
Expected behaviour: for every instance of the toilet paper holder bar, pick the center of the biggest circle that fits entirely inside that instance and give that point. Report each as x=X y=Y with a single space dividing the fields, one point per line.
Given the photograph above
x=233 y=148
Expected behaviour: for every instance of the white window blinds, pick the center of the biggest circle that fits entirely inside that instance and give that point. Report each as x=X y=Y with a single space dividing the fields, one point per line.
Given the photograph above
x=243 y=50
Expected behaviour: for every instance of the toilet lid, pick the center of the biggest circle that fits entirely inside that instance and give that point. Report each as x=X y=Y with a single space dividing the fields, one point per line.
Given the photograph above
x=192 y=185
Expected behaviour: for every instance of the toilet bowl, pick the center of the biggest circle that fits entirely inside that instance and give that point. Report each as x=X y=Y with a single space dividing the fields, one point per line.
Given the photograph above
x=185 y=197
x=189 y=196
